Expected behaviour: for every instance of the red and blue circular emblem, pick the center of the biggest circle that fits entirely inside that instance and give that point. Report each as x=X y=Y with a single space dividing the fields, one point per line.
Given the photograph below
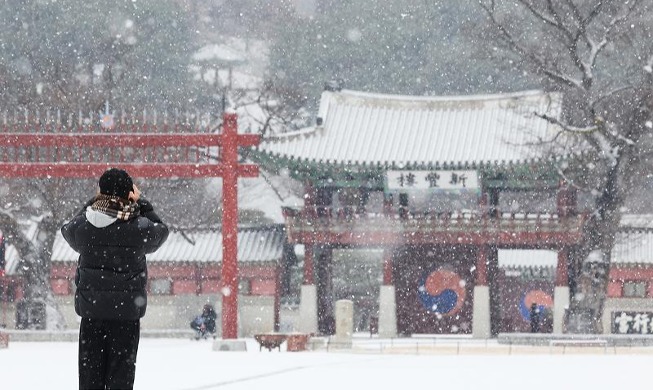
x=538 y=297
x=107 y=121
x=442 y=292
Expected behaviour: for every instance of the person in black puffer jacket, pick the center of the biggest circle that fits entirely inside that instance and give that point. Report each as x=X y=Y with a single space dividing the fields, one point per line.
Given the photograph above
x=112 y=234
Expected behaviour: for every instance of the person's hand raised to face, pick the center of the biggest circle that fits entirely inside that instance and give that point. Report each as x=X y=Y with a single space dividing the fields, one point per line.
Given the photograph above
x=135 y=194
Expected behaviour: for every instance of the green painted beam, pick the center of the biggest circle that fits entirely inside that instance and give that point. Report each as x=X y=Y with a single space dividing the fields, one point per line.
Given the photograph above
x=500 y=176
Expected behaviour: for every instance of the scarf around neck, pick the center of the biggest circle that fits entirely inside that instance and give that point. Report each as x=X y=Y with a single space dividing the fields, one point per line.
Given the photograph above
x=116 y=207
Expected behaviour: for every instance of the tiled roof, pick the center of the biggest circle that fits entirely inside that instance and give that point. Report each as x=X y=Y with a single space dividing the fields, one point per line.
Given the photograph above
x=631 y=247
x=375 y=129
x=11 y=254
x=255 y=245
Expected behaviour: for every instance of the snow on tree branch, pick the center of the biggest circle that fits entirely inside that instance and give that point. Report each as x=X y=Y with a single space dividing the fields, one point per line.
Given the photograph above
x=582 y=44
x=648 y=68
x=596 y=48
x=553 y=20
x=566 y=127
x=603 y=137
x=594 y=103
x=519 y=49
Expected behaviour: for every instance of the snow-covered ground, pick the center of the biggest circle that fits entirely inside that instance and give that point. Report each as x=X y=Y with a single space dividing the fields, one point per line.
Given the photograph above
x=193 y=365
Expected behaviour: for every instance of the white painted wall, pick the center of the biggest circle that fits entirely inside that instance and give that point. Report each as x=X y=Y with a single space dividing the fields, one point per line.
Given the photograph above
x=623 y=304
x=256 y=313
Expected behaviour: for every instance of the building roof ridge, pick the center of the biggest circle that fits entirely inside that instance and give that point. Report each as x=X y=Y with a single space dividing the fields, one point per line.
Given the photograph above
x=444 y=98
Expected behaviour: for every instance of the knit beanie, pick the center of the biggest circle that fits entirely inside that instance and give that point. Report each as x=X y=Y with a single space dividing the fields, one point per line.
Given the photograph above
x=116 y=182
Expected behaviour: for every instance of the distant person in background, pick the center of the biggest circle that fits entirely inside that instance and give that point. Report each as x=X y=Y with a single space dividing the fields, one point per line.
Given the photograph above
x=535 y=318
x=204 y=324
x=112 y=234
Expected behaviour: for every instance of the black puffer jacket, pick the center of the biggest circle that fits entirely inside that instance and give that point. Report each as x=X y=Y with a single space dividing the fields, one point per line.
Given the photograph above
x=111 y=272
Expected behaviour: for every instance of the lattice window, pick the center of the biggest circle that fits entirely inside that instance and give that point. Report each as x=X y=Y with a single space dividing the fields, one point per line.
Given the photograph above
x=161 y=286
x=635 y=289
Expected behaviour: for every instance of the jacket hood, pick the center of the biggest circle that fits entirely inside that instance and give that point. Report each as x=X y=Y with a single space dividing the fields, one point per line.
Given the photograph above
x=99 y=219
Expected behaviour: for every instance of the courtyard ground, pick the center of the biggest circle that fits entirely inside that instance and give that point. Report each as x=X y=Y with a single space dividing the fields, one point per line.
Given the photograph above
x=180 y=364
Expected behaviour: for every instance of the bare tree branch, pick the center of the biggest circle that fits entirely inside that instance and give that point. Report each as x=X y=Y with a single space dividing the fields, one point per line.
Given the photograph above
x=566 y=127
x=568 y=179
x=540 y=64
x=595 y=12
x=576 y=37
x=597 y=48
x=545 y=18
x=559 y=22
x=594 y=103
x=575 y=12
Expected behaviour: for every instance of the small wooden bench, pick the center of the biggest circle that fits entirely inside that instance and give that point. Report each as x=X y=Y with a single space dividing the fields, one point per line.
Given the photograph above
x=270 y=340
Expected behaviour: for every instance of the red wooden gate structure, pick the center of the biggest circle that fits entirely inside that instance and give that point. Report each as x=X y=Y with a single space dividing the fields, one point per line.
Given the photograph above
x=79 y=146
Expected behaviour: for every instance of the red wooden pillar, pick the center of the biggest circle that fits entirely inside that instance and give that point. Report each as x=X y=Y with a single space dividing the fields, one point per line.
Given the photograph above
x=387 y=267
x=230 y=227
x=481 y=265
x=562 y=270
x=309 y=253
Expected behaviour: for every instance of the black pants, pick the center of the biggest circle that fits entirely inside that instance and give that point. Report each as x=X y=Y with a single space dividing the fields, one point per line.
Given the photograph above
x=107 y=354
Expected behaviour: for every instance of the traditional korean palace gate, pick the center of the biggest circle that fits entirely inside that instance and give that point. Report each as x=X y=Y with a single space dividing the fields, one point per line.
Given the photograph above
x=366 y=157
x=154 y=146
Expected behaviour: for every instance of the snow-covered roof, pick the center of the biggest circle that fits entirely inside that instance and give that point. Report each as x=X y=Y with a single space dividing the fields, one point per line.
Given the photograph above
x=446 y=131
x=631 y=247
x=218 y=53
x=30 y=229
x=255 y=245
x=634 y=244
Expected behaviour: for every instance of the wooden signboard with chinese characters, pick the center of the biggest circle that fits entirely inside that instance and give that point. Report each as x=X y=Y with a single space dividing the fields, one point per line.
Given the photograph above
x=632 y=322
x=407 y=180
